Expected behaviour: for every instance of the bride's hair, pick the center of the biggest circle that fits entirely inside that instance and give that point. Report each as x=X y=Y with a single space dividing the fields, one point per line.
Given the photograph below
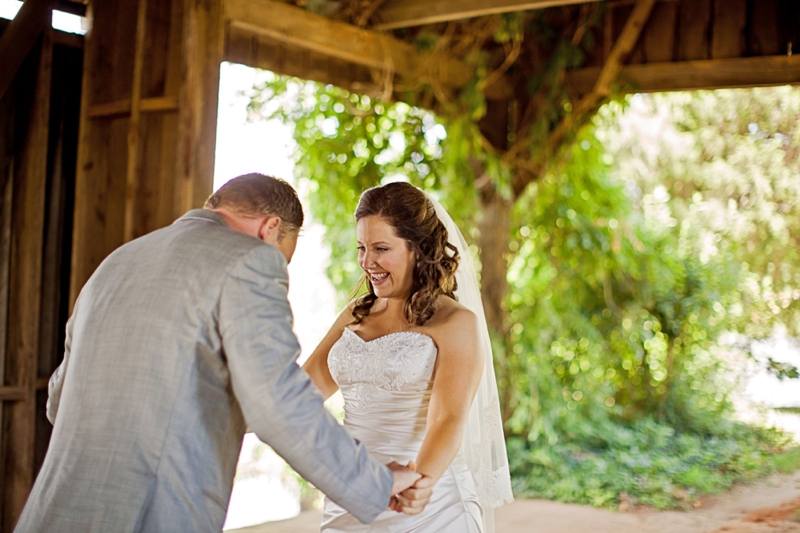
x=412 y=216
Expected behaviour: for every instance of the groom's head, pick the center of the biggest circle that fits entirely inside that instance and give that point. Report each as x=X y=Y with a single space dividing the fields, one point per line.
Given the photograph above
x=262 y=206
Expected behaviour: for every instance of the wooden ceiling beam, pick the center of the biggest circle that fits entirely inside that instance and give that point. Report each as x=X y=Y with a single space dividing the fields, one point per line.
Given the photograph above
x=20 y=36
x=304 y=30
x=695 y=75
x=405 y=13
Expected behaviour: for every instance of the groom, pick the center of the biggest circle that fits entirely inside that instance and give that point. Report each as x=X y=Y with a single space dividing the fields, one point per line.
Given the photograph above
x=179 y=341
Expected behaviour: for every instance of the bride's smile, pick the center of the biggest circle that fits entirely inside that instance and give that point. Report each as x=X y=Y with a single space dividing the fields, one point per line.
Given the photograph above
x=385 y=258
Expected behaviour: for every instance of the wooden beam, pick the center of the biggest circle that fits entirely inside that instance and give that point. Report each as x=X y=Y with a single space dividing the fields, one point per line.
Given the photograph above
x=122 y=108
x=20 y=36
x=10 y=394
x=264 y=53
x=204 y=38
x=694 y=75
x=405 y=13
x=301 y=29
x=25 y=280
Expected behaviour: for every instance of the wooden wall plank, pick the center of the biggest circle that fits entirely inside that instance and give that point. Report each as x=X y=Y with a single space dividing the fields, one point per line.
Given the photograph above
x=7 y=106
x=133 y=177
x=788 y=26
x=30 y=180
x=102 y=163
x=158 y=35
x=161 y=190
x=658 y=39
x=62 y=154
x=620 y=13
x=141 y=171
x=694 y=30
x=728 y=37
x=763 y=37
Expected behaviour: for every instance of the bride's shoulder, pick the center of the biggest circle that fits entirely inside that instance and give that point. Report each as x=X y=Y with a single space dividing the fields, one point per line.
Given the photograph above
x=451 y=315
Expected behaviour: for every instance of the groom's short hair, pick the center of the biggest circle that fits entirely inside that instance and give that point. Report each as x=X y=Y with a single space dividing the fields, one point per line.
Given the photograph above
x=258 y=194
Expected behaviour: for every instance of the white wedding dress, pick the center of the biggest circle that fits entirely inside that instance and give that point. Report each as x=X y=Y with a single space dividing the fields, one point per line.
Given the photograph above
x=386 y=384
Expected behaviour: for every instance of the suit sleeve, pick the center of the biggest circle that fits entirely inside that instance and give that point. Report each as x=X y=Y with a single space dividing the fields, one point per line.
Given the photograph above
x=279 y=401
x=56 y=382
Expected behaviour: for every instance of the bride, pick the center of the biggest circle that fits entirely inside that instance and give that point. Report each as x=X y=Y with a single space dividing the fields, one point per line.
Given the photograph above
x=412 y=358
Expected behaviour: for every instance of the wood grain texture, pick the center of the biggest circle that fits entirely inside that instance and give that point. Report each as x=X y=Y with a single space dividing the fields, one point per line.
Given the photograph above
x=25 y=278
x=133 y=170
x=658 y=39
x=270 y=54
x=197 y=115
x=103 y=149
x=763 y=35
x=694 y=30
x=405 y=13
x=299 y=28
x=728 y=37
x=695 y=75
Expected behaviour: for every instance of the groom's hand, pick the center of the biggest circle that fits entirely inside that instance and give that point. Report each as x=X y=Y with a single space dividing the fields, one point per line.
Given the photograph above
x=403 y=478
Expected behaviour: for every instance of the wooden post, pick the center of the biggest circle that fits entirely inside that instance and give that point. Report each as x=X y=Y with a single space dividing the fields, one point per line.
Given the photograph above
x=30 y=179
x=197 y=122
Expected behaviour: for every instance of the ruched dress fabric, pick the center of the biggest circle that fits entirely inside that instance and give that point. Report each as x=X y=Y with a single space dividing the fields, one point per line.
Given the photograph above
x=386 y=384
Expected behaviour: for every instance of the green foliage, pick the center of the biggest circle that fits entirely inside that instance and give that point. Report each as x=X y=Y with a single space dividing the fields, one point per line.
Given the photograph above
x=347 y=143
x=650 y=465
x=604 y=327
x=669 y=221
x=722 y=168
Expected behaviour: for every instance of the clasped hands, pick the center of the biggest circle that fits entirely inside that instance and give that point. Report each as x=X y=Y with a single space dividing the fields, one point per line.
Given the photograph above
x=411 y=491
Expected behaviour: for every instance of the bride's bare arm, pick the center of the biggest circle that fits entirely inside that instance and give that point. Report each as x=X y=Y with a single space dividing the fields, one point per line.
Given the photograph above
x=459 y=367
x=317 y=364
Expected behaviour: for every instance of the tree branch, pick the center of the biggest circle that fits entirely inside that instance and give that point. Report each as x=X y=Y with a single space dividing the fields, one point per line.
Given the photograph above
x=589 y=104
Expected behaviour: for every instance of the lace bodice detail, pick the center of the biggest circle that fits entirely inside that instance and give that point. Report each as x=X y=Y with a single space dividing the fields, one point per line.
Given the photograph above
x=386 y=384
x=401 y=361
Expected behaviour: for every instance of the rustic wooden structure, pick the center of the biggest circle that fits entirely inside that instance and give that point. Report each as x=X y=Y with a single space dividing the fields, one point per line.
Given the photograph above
x=108 y=137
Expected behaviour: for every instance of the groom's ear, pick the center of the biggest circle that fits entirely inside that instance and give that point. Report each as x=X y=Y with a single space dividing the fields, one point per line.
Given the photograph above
x=269 y=229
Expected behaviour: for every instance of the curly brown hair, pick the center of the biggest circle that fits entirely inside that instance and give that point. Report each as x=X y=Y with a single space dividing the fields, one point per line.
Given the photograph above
x=412 y=216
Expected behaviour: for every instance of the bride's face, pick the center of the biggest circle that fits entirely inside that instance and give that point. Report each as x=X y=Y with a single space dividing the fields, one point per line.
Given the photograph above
x=385 y=258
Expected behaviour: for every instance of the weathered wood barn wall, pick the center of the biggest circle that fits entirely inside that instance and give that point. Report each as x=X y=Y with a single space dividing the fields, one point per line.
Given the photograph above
x=106 y=137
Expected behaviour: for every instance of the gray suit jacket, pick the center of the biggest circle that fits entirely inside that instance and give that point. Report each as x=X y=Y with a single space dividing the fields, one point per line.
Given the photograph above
x=180 y=340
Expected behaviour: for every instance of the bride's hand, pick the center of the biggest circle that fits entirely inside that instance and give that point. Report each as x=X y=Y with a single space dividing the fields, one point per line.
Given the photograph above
x=413 y=500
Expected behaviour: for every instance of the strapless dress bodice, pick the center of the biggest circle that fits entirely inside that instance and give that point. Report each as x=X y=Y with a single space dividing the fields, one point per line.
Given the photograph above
x=386 y=385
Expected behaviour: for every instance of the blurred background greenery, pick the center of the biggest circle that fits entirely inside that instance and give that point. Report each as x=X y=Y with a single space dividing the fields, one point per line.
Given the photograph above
x=657 y=246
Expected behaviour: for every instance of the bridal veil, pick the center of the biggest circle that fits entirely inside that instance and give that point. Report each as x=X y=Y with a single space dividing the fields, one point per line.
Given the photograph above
x=484 y=446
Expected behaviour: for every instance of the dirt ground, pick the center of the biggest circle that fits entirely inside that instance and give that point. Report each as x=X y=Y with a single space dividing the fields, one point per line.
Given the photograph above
x=771 y=505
